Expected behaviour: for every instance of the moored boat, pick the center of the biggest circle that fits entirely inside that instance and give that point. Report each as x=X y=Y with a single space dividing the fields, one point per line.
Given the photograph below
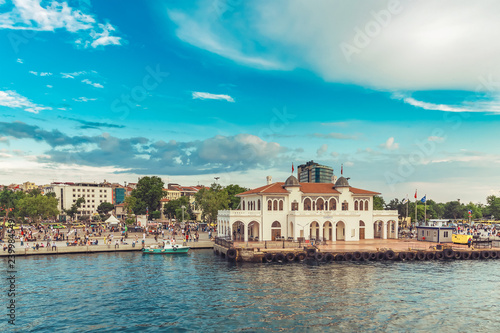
x=168 y=247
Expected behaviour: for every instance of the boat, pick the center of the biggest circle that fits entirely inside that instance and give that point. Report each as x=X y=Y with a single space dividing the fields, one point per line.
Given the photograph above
x=168 y=247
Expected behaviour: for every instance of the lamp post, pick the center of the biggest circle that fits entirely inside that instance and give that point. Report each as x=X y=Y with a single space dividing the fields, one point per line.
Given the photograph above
x=183 y=207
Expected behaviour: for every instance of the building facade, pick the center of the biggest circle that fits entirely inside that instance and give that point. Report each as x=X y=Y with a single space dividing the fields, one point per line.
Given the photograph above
x=312 y=172
x=68 y=193
x=317 y=211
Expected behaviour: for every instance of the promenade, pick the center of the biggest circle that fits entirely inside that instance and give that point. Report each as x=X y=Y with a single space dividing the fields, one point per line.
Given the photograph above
x=62 y=247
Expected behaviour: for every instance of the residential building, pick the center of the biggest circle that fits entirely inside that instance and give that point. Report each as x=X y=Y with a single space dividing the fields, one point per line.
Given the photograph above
x=312 y=172
x=321 y=211
x=28 y=186
x=94 y=194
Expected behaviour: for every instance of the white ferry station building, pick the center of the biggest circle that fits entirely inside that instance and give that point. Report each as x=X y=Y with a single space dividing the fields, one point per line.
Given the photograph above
x=309 y=211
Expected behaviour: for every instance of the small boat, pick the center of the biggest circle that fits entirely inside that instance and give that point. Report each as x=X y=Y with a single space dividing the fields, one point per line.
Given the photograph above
x=167 y=248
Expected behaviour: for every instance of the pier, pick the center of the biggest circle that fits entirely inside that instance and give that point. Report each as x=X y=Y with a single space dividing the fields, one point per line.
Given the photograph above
x=364 y=250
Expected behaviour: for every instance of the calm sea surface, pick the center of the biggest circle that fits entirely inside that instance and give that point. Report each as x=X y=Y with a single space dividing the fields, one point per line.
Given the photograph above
x=130 y=292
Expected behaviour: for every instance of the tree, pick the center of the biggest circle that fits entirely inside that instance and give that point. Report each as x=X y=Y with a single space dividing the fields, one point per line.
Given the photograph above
x=7 y=203
x=232 y=190
x=211 y=200
x=35 y=192
x=454 y=210
x=174 y=209
x=493 y=206
x=105 y=208
x=149 y=192
x=378 y=203
x=74 y=208
x=129 y=204
x=38 y=207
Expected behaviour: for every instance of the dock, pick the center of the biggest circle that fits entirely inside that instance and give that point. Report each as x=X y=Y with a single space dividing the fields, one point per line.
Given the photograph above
x=365 y=250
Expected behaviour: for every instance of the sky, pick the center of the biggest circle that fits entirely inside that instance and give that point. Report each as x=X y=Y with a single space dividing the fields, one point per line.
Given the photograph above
x=403 y=94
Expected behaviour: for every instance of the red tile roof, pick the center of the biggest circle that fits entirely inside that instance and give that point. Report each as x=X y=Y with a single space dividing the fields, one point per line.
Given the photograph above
x=311 y=188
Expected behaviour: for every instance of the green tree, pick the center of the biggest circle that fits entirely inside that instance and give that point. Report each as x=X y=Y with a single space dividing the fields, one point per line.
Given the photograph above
x=35 y=192
x=149 y=192
x=493 y=206
x=378 y=202
x=7 y=203
x=105 y=207
x=477 y=211
x=74 y=208
x=211 y=200
x=129 y=204
x=232 y=190
x=454 y=210
x=38 y=207
x=173 y=209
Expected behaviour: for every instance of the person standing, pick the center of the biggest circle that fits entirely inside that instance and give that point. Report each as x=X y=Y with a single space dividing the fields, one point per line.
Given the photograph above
x=469 y=242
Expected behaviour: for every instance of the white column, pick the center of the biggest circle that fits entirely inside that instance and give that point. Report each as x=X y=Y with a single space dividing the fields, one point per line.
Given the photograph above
x=384 y=230
x=245 y=232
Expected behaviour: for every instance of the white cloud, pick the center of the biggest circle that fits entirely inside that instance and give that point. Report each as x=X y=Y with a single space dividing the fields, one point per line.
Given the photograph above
x=333 y=135
x=41 y=73
x=49 y=86
x=390 y=144
x=32 y=15
x=13 y=100
x=490 y=106
x=72 y=75
x=97 y=85
x=84 y=99
x=415 y=48
x=19 y=60
x=322 y=150
x=203 y=95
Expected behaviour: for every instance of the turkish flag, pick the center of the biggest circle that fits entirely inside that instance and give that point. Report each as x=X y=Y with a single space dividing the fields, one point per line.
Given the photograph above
x=293 y=169
x=415 y=194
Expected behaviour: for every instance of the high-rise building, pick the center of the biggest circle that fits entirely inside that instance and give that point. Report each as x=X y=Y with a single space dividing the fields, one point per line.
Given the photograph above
x=312 y=172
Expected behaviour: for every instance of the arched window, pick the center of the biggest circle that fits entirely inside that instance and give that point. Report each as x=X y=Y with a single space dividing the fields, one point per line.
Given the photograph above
x=314 y=205
x=307 y=204
x=333 y=204
x=295 y=205
x=320 y=204
x=366 y=205
x=356 y=205
x=345 y=205
x=275 y=205
x=281 y=204
x=269 y=205
x=243 y=205
x=258 y=204
x=276 y=224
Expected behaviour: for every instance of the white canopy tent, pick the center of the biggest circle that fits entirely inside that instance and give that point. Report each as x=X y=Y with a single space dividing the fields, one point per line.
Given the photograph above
x=112 y=221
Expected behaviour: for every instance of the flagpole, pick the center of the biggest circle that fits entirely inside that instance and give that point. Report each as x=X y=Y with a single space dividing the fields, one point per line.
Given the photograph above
x=425 y=210
x=416 y=203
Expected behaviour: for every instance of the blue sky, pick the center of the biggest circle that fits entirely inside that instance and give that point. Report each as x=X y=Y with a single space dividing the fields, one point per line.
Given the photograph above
x=404 y=94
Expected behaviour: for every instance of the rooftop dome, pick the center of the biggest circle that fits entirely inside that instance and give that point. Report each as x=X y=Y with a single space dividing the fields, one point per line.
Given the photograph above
x=342 y=182
x=291 y=181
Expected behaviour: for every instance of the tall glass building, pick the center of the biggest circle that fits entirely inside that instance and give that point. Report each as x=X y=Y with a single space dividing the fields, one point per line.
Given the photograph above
x=312 y=172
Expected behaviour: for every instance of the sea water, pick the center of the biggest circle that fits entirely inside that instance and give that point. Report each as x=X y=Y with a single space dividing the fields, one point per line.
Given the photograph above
x=200 y=292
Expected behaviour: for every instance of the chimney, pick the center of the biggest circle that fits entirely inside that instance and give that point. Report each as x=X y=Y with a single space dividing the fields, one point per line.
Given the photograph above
x=269 y=180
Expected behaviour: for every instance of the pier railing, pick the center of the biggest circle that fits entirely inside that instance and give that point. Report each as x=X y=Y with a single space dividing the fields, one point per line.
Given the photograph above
x=224 y=241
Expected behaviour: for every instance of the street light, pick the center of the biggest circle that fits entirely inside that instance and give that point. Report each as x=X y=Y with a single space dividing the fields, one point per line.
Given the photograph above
x=183 y=207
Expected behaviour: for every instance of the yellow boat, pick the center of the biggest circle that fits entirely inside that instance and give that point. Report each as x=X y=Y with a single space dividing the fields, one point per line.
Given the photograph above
x=460 y=239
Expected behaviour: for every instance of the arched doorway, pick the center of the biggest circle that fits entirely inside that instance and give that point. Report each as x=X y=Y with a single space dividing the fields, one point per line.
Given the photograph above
x=327 y=231
x=340 y=230
x=391 y=229
x=361 y=230
x=275 y=230
x=253 y=231
x=238 y=231
x=314 y=230
x=290 y=230
x=377 y=229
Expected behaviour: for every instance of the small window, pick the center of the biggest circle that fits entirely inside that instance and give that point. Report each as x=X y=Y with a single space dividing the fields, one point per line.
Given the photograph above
x=445 y=234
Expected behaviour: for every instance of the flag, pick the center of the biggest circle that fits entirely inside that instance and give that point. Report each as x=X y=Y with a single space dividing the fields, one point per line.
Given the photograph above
x=147 y=210
x=405 y=200
x=424 y=199
x=341 y=169
x=415 y=194
x=470 y=212
x=293 y=169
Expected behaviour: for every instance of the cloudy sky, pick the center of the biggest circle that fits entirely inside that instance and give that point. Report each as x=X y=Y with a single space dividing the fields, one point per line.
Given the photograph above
x=404 y=94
